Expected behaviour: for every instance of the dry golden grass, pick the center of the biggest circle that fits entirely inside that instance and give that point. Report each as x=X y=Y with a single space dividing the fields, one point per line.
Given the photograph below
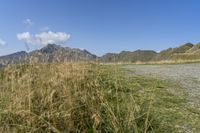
x=65 y=98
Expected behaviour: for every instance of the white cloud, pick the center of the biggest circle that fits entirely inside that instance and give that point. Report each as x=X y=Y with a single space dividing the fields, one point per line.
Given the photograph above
x=2 y=42
x=28 y=22
x=44 y=38
x=25 y=36
x=51 y=37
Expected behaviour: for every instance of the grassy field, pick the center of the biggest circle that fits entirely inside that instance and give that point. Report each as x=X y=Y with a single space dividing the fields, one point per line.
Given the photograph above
x=79 y=97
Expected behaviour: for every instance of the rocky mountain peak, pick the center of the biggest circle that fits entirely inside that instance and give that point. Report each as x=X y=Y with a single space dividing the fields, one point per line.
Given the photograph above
x=50 y=48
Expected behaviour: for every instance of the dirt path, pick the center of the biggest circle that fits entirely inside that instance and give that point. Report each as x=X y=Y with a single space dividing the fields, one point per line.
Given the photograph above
x=188 y=75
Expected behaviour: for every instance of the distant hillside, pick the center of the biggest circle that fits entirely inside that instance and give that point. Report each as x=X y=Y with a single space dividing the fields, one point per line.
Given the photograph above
x=127 y=56
x=55 y=53
x=187 y=51
x=174 y=53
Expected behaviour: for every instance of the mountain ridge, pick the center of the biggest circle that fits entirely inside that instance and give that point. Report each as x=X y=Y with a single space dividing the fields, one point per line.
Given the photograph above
x=56 y=53
x=50 y=53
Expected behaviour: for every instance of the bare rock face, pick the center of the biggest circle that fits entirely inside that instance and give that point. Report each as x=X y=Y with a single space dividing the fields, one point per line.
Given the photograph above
x=50 y=48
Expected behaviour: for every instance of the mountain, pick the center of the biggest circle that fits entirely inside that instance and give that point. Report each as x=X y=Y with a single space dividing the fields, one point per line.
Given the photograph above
x=195 y=49
x=50 y=53
x=53 y=53
x=56 y=53
x=174 y=53
x=15 y=58
x=186 y=51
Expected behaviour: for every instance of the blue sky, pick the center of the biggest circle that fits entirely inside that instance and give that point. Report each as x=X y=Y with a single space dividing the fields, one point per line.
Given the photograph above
x=99 y=26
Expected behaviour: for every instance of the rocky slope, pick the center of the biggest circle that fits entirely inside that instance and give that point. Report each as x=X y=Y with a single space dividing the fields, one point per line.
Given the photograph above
x=56 y=53
x=50 y=53
x=19 y=57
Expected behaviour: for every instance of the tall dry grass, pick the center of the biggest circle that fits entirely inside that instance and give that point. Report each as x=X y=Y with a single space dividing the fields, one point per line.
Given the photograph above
x=70 y=97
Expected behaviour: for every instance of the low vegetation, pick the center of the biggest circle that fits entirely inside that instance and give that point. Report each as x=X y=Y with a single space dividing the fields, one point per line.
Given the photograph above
x=77 y=97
